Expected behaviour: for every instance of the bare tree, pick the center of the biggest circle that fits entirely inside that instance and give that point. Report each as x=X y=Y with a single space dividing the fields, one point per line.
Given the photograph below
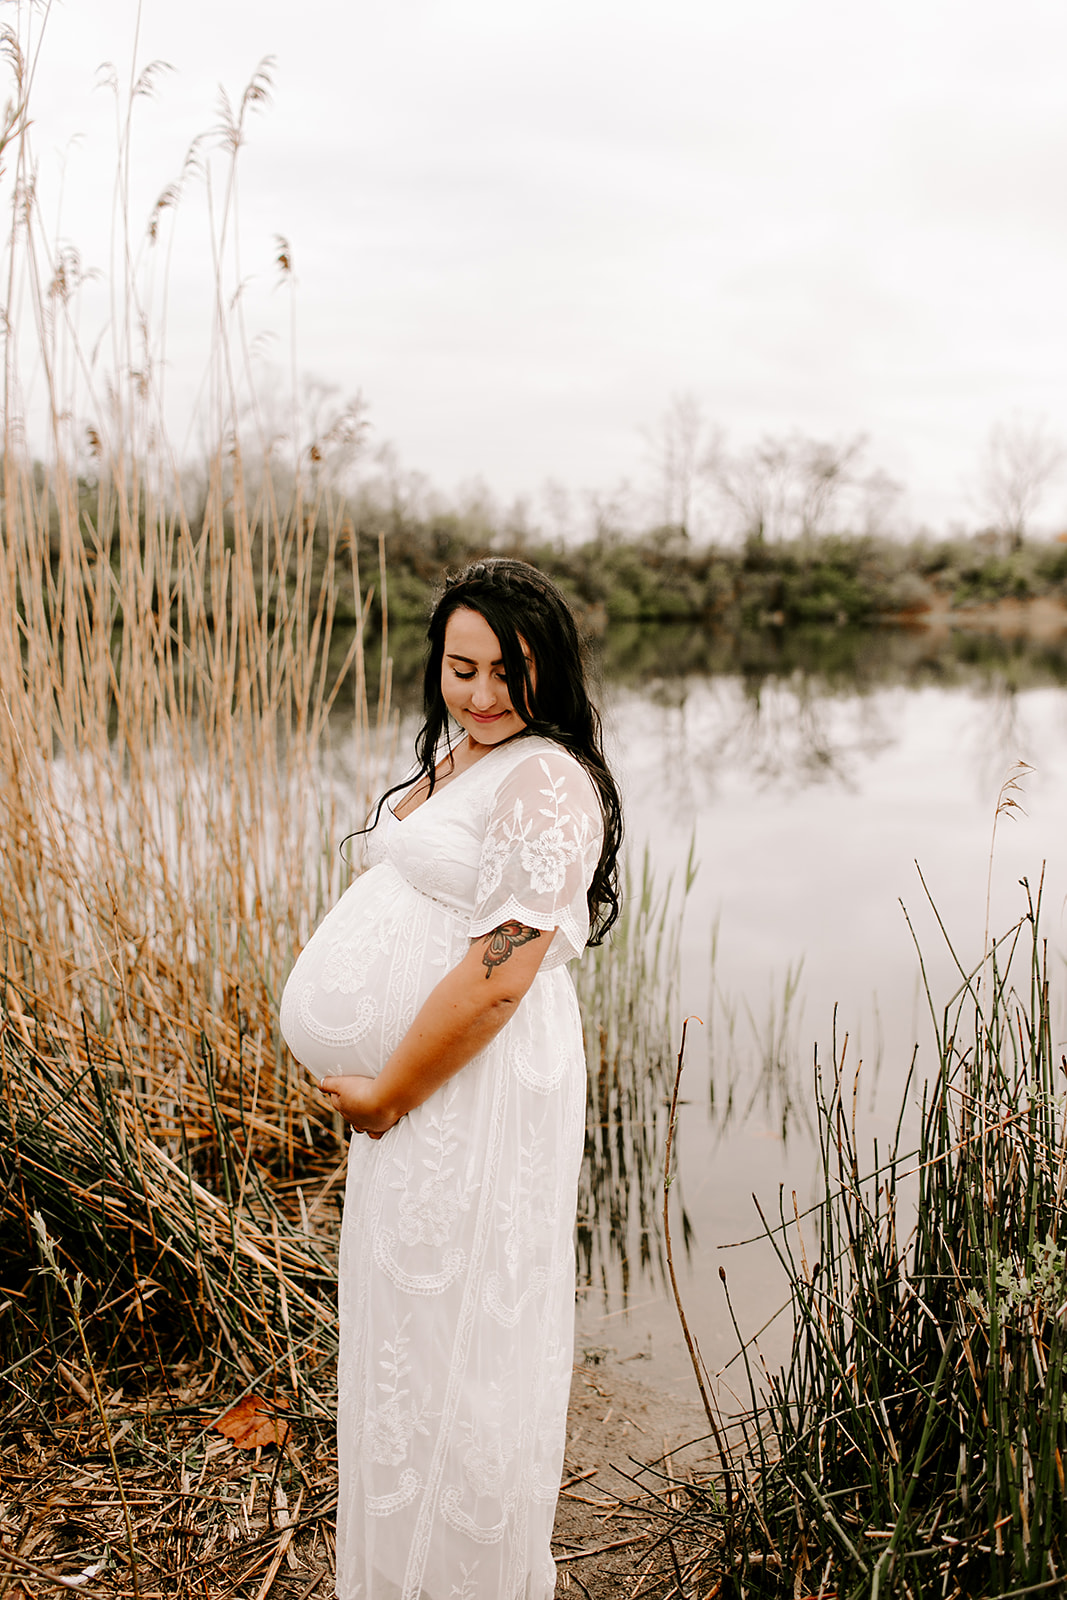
x=755 y=484
x=788 y=486
x=1020 y=462
x=609 y=512
x=825 y=471
x=405 y=494
x=680 y=445
x=878 y=495
x=559 y=508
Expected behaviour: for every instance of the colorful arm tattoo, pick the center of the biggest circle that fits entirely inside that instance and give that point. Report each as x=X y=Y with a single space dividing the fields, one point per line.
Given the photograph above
x=503 y=940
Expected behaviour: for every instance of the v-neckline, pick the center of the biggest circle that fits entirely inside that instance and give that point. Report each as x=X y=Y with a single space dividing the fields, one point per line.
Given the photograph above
x=473 y=767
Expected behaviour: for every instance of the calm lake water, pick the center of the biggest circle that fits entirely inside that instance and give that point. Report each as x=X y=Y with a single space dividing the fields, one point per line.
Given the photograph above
x=810 y=789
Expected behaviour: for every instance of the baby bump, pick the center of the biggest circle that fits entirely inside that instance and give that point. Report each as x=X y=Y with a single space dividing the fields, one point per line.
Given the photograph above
x=364 y=972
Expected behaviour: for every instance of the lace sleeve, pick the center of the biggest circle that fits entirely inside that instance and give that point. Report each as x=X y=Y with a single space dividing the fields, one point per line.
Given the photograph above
x=541 y=847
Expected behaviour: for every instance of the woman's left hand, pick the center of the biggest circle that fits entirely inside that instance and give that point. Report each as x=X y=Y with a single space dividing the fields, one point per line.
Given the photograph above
x=355 y=1099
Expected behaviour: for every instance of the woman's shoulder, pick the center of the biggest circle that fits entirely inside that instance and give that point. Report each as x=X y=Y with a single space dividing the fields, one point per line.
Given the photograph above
x=533 y=760
x=533 y=748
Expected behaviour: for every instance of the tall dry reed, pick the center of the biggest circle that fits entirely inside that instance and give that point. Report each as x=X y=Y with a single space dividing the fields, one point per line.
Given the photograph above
x=168 y=665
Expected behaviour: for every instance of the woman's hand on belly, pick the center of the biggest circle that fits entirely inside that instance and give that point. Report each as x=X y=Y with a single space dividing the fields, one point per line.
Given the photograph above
x=354 y=1098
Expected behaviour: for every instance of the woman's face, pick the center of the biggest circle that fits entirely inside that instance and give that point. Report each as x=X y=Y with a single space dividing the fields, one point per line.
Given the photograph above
x=473 y=683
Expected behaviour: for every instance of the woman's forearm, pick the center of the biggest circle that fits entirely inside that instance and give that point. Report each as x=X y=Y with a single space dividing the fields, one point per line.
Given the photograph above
x=457 y=1019
x=461 y=1015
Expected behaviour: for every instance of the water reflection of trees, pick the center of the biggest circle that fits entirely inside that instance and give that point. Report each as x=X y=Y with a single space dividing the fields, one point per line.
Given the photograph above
x=1002 y=732
x=804 y=709
x=817 y=663
x=787 y=735
x=793 y=732
x=856 y=660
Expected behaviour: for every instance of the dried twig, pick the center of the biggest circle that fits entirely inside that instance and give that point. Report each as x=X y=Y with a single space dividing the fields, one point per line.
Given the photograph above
x=690 y=1342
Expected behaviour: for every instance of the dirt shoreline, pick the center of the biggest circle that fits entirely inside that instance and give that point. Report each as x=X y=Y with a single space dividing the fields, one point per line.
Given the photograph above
x=626 y=1442
x=1043 y=618
x=216 y=1518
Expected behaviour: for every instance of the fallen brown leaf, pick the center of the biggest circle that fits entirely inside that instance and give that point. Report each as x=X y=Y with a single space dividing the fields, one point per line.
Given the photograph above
x=254 y=1421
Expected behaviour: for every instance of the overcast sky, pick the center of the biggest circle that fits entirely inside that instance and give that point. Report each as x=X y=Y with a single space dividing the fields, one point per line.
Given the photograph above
x=520 y=228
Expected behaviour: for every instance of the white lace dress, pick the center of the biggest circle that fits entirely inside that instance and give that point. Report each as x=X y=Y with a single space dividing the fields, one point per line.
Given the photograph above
x=457 y=1250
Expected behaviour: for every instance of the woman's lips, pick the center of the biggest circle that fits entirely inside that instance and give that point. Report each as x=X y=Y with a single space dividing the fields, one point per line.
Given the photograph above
x=494 y=716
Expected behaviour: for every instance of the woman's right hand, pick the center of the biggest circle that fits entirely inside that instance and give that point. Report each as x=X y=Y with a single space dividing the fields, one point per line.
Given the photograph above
x=355 y=1099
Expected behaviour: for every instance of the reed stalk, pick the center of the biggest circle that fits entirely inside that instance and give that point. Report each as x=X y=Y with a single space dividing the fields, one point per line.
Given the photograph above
x=693 y=1349
x=913 y=1442
x=73 y=1293
x=628 y=992
x=169 y=668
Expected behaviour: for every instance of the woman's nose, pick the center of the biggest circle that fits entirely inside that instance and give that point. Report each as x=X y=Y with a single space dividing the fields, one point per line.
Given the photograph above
x=484 y=694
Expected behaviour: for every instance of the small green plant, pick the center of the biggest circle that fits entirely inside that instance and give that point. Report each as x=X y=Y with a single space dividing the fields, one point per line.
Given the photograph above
x=1036 y=1286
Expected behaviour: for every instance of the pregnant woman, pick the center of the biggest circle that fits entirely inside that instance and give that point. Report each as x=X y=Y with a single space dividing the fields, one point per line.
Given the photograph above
x=434 y=1005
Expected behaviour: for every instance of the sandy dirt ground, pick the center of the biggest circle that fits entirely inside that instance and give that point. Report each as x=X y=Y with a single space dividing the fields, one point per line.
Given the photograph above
x=628 y=1447
x=209 y=1518
x=1043 y=618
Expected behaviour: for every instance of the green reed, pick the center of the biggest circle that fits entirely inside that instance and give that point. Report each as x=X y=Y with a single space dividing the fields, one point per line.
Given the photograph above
x=761 y=1056
x=913 y=1442
x=628 y=992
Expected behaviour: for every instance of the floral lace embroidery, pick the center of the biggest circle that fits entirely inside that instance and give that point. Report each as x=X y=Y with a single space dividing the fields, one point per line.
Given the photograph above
x=547 y=858
x=544 y=1488
x=491 y=1447
x=530 y=1207
x=347 y=968
x=484 y=1468
x=495 y=852
x=450 y=1510
x=427 y=1215
x=436 y=877
x=540 y=1083
x=364 y=1016
x=389 y=1429
x=546 y=855
x=468 y=1591
x=493 y=1300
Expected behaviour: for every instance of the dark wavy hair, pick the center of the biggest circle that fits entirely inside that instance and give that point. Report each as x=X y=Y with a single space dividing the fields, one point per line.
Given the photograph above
x=523 y=607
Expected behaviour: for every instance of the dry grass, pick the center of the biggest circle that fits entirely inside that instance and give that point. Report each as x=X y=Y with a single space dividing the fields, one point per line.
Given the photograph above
x=168 y=666
x=207 y=1518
